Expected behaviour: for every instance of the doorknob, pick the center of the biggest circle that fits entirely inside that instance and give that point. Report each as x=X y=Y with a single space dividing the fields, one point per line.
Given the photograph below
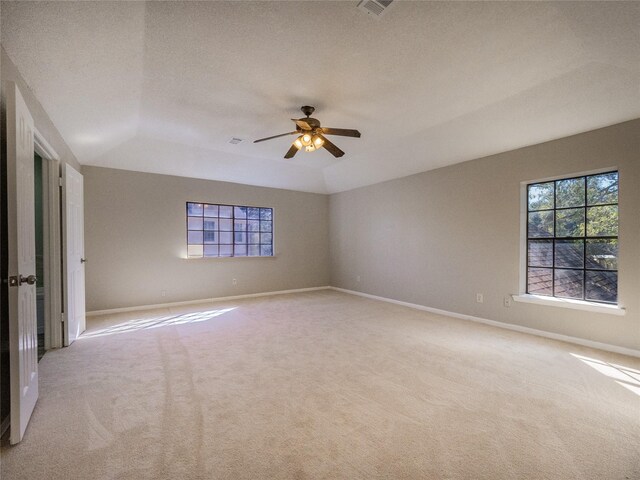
x=30 y=280
x=83 y=260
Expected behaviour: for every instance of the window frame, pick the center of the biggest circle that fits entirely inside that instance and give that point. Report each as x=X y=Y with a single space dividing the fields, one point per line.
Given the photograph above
x=615 y=308
x=233 y=231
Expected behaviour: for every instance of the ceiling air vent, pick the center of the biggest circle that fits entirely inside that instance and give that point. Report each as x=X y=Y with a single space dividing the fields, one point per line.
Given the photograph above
x=375 y=8
x=235 y=141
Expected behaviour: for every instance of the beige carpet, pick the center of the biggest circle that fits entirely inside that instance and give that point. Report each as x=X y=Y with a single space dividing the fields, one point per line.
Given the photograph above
x=325 y=385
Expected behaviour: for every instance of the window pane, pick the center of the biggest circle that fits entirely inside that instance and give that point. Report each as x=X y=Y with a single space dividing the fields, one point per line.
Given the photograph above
x=602 y=221
x=240 y=212
x=194 y=237
x=602 y=188
x=540 y=196
x=226 y=211
x=568 y=283
x=240 y=250
x=265 y=214
x=194 y=209
x=254 y=250
x=210 y=210
x=570 y=192
x=266 y=238
x=602 y=254
x=194 y=223
x=253 y=213
x=570 y=223
x=265 y=226
x=210 y=223
x=226 y=224
x=541 y=224
x=602 y=286
x=239 y=237
x=540 y=253
x=225 y=237
x=226 y=250
x=253 y=225
x=239 y=225
x=266 y=250
x=209 y=237
x=194 y=250
x=570 y=253
x=539 y=281
x=211 y=250
x=254 y=237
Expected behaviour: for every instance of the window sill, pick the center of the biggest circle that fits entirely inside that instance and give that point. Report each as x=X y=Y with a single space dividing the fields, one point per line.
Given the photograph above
x=227 y=258
x=569 y=303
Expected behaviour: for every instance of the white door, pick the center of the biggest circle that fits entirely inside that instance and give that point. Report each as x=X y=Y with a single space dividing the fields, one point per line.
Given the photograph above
x=23 y=336
x=74 y=234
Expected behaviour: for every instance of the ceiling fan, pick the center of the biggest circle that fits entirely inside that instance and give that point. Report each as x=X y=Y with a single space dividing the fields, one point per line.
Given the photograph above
x=312 y=135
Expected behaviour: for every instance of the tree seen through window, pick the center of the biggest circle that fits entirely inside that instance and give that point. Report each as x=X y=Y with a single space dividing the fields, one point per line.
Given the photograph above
x=572 y=238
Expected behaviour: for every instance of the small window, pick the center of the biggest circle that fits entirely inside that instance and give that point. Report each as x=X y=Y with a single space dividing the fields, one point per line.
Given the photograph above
x=572 y=238
x=229 y=231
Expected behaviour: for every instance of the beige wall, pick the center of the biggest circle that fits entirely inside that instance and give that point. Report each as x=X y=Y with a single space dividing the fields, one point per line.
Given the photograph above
x=135 y=240
x=439 y=237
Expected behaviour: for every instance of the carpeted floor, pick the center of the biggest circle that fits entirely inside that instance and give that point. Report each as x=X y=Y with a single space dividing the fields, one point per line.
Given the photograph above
x=325 y=385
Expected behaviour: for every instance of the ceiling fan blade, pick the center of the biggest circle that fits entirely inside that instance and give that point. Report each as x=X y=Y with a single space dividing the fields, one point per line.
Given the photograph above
x=275 y=136
x=292 y=151
x=333 y=150
x=344 y=132
x=302 y=124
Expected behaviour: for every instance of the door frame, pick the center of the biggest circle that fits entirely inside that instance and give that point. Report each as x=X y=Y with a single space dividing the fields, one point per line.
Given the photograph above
x=52 y=242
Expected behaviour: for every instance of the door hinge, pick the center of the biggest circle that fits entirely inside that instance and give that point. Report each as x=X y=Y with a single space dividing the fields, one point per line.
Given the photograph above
x=60 y=181
x=62 y=317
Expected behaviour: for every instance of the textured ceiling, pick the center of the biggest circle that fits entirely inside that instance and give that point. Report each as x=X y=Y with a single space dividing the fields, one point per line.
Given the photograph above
x=163 y=86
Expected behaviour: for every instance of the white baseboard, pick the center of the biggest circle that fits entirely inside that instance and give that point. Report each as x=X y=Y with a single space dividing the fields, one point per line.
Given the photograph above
x=532 y=331
x=204 y=300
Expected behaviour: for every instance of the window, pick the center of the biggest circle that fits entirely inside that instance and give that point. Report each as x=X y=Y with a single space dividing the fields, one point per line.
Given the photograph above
x=229 y=231
x=572 y=238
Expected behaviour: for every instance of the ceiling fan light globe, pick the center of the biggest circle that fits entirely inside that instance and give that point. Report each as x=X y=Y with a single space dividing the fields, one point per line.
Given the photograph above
x=317 y=141
x=310 y=148
x=306 y=139
x=298 y=143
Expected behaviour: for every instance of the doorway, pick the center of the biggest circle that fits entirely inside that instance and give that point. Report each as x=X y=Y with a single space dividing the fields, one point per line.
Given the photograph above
x=48 y=246
x=39 y=230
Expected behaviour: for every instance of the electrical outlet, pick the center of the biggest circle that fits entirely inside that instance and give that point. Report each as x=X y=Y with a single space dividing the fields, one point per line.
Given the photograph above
x=234 y=281
x=507 y=301
x=358 y=279
x=163 y=293
x=479 y=298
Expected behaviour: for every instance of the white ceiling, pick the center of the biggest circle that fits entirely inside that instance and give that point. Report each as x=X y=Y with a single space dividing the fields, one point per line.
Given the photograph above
x=163 y=86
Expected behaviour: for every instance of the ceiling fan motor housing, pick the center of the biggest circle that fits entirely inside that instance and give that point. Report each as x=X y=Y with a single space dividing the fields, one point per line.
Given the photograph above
x=312 y=122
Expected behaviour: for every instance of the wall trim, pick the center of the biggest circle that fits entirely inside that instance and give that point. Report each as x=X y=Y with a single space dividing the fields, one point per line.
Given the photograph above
x=95 y=313
x=518 y=328
x=42 y=147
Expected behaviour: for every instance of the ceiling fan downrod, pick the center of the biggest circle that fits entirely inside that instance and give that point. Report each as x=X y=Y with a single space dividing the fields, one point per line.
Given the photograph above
x=307 y=110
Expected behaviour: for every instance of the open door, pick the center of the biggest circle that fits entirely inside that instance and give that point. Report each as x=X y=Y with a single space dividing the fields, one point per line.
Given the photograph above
x=75 y=322
x=23 y=333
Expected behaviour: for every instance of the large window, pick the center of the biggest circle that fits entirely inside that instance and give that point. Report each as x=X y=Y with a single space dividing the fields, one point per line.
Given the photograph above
x=572 y=238
x=229 y=231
